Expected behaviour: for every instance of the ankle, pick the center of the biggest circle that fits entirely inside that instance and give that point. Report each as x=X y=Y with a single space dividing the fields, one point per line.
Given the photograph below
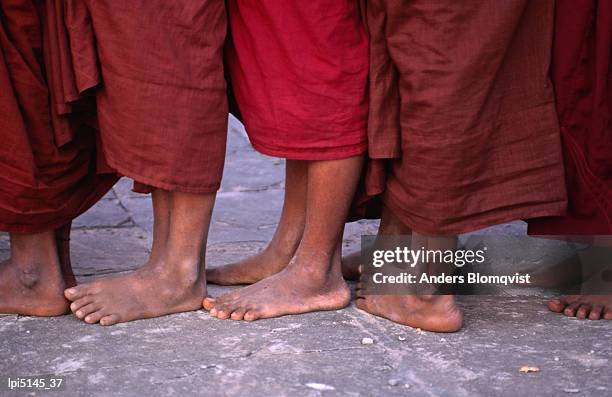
x=34 y=248
x=318 y=269
x=29 y=275
x=34 y=276
x=279 y=251
x=187 y=271
x=284 y=244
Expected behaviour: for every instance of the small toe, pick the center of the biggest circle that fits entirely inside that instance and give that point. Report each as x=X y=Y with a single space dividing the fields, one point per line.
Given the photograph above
x=86 y=310
x=596 y=312
x=109 y=320
x=608 y=313
x=223 y=312
x=94 y=317
x=238 y=314
x=252 y=315
x=570 y=310
x=79 y=303
x=583 y=311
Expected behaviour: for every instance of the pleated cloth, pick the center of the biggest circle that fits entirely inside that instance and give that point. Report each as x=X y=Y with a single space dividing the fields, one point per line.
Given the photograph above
x=462 y=129
x=50 y=166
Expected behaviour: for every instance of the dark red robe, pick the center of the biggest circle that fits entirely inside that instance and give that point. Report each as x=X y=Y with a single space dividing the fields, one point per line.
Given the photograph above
x=462 y=129
x=157 y=69
x=582 y=78
x=50 y=170
x=299 y=72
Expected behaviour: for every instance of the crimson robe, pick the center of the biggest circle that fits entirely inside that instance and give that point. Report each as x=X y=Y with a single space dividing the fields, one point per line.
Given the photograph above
x=156 y=67
x=462 y=129
x=299 y=73
x=582 y=78
x=50 y=168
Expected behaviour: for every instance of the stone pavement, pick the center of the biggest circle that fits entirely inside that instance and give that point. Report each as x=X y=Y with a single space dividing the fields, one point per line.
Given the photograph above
x=311 y=355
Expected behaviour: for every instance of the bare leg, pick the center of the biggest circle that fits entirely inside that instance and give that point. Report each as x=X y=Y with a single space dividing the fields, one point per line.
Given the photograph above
x=173 y=279
x=62 y=241
x=162 y=206
x=389 y=225
x=31 y=281
x=313 y=280
x=285 y=241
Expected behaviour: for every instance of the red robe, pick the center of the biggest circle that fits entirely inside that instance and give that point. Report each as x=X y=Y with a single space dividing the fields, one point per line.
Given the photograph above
x=157 y=69
x=50 y=170
x=299 y=73
x=462 y=129
x=582 y=77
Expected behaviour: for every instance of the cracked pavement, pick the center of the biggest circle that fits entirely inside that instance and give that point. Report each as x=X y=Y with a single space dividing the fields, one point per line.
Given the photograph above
x=310 y=355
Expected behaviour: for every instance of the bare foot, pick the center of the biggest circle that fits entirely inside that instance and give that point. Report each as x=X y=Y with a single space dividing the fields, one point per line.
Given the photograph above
x=32 y=289
x=249 y=271
x=32 y=281
x=285 y=241
x=151 y=291
x=593 y=307
x=294 y=290
x=435 y=313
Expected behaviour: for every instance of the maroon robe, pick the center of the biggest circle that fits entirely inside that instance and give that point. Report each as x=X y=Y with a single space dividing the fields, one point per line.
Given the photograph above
x=299 y=71
x=462 y=130
x=50 y=170
x=157 y=69
x=582 y=78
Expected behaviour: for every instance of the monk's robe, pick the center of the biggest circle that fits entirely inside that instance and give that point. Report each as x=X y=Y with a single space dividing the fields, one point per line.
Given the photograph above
x=462 y=128
x=582 y=78
x=299 y=74
x=50 y=170
x=156 y=67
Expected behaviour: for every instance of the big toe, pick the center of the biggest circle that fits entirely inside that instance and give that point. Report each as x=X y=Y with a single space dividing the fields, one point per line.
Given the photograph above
x=208 y=303
x=557 y=305
x=77 y=292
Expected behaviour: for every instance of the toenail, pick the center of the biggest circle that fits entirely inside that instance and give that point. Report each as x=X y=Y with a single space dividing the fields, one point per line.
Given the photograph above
x=79 y=313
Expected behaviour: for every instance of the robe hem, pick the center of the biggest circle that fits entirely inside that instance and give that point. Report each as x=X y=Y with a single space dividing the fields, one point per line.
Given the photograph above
x=332 y=153
x=156 y=184
x=103 y=187
x=478 y=221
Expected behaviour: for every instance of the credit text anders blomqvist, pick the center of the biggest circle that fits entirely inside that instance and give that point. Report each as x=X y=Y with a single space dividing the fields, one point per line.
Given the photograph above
x=459 y=258
x=469 y=278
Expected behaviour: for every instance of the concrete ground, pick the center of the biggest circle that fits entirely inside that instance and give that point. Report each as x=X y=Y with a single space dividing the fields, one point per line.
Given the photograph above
x=311 y=355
